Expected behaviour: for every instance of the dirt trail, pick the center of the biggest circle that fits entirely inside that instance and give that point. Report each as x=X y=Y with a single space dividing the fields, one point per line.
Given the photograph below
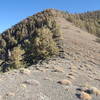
x=79 y=44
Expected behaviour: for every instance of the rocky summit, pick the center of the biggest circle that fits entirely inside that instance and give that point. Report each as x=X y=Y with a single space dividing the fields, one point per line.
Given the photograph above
x=51 y=55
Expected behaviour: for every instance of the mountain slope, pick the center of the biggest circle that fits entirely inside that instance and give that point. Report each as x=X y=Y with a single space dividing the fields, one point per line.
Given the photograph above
x=33 y=39
x=89 y=21
x=80 y=43
x=67 y=78
x=38 y=37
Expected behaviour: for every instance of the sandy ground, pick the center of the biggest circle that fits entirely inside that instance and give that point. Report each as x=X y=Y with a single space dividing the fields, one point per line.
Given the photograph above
x=80 y=67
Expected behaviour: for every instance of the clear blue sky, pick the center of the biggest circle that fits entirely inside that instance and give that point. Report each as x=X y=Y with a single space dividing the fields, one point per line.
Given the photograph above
x=13 y=11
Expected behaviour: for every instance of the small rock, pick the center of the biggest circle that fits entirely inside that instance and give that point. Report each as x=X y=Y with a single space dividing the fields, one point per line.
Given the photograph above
x=32 y=82
x=71 y=74
x=25 y=71
x=58 y=69
x=47 y=78
x=82 y=89
x=23 y=85
x=41 y=69
x=71 y=77
x=10 y=94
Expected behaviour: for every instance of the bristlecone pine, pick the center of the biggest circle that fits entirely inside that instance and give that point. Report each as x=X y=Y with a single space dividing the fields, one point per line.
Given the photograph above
x=38 y=37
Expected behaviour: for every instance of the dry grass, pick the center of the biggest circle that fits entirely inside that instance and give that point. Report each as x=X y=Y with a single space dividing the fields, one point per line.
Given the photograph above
x=71 y=74
x=65 y=82
x=71 y=77
x=85 y=96
x=97 y=79
x=73 y=68
x=90 y=90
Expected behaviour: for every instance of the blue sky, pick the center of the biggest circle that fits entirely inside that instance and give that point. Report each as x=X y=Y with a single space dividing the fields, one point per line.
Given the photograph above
x=13 y=11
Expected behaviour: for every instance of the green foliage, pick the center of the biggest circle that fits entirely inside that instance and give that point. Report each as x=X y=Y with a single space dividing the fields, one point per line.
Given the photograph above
x=89 y=21
x=44 y=43
x=41 y=46
x=29 y=41
x=38 y=37
x=2 y=43
x=16 y=57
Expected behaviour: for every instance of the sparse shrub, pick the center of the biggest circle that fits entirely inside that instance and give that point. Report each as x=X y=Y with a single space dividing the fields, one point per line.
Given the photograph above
x=94 y=90
x=85 y=96
x=90 y=90
x=16 y=57
x=25 y=71
x=1 y=61
x=11 y=43
x=2 y=43
x=42 y=45
x=2 y=54
x=58 y=69
x=38 y=36
x=65 y=82
x=98 y=40
x=45 y=42
x=89 y=21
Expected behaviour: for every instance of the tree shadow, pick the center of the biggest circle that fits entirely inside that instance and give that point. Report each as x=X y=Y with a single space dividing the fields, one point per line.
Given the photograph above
x=78 y=95
x=97 y=40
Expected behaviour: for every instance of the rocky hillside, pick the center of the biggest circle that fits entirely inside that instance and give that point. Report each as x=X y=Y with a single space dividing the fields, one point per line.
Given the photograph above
x=35 y=38
x=70 y=71
x=89 y=21
x=38 y=37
